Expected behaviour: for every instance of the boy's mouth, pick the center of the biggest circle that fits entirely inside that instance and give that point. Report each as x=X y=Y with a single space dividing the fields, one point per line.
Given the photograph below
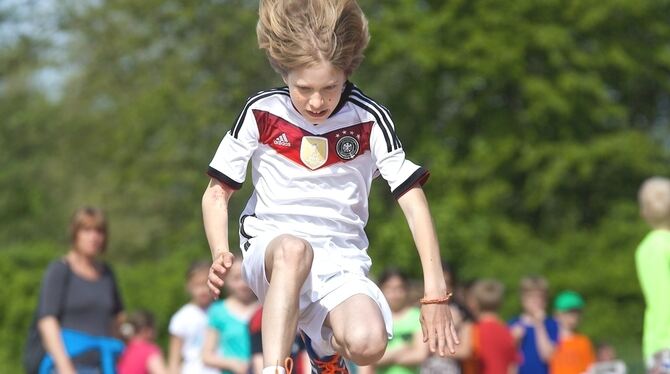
x=317 y=114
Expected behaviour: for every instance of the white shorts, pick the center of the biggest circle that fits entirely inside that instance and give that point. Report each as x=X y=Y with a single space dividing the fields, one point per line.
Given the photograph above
x=330 y=282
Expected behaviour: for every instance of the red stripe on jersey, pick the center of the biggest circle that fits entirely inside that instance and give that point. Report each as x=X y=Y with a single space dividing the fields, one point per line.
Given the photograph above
x=286 y=138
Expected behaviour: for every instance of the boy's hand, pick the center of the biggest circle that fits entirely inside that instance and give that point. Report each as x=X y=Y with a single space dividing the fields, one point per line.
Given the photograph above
x=438 y=328
x=217 y=272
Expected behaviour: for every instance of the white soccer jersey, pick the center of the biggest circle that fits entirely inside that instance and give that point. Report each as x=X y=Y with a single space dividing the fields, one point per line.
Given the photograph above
x=313 y=181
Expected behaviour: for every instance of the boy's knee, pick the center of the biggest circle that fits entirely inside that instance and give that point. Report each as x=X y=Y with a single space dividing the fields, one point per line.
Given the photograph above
x=366 y=346
x=293 y=253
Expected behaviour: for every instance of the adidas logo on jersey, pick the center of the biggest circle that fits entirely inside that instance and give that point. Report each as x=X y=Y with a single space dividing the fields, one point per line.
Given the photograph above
x=282 y=140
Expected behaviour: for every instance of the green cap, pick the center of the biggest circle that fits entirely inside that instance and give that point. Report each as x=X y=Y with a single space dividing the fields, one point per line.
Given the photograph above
x=568 y=300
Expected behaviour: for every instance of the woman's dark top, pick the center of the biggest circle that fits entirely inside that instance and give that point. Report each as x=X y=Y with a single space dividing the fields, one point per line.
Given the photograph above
x=87 y=306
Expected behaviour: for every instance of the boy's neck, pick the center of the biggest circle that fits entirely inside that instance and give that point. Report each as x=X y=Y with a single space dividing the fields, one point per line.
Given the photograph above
x=489 y=316
x=566 y=333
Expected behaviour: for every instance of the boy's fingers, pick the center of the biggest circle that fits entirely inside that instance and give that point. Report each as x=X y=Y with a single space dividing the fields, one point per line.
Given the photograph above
x=218 y=269
x=454 y=333
x=432 y=344
x=450 y=340
x=228 y=259
x=215 y=280
x=423 y=330
x=440 y=339
x=213 y=289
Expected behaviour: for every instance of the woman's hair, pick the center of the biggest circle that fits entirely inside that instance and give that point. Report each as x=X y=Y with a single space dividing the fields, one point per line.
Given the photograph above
x=300 y=33
x=89 y=217
x=654 y=198
x=389 y=273
x=136 y=322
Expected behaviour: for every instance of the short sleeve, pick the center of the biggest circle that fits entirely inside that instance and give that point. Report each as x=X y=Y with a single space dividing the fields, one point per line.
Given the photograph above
x=52 y=290
x=178 y=325
x=215 y=318
x=229 y=165
x=400 y=173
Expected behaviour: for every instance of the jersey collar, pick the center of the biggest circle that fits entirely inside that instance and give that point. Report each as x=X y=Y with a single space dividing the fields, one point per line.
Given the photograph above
x=348 y=86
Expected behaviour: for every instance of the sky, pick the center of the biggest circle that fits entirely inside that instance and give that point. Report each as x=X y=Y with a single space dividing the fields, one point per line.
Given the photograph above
x=38 y=19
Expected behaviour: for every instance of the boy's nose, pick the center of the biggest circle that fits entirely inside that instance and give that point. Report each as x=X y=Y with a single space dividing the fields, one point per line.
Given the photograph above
x=316 y=101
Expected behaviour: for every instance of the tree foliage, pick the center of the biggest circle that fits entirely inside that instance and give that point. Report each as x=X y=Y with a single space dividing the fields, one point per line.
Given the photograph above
x=538 y=121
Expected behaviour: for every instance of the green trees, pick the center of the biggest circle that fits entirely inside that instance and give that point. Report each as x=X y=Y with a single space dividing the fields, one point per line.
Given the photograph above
x=538 y=121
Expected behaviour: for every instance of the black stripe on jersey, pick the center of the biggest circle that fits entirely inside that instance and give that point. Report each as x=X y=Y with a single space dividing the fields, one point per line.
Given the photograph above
x=389 y=142
x=419 y=176
x=235 y=131
x=244 y=233
x=348 y=86
x=384 y=113
x=223 y=178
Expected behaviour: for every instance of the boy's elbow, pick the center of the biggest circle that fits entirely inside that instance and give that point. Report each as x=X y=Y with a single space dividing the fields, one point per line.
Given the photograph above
x=216 y=194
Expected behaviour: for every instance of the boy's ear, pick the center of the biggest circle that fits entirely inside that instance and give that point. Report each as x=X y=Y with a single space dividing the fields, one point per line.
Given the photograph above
x=284 y=77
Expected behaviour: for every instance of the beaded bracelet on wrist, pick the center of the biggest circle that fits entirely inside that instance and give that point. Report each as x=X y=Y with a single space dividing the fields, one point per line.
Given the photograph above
x=439 y=300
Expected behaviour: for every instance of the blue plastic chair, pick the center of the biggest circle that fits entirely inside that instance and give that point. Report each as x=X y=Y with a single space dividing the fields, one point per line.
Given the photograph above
x=77 y=343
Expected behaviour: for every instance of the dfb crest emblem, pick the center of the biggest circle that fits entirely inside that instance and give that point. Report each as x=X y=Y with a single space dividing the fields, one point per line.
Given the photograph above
x=314 y=151
x=347 y=147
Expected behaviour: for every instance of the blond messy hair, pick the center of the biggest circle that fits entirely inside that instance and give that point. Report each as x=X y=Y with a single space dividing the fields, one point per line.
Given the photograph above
x=301 y=33
x=654 y=198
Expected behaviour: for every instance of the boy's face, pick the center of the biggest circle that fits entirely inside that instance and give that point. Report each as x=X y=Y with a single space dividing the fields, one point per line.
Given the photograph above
x=569 y=320
x=534 y=302
x=315 y=90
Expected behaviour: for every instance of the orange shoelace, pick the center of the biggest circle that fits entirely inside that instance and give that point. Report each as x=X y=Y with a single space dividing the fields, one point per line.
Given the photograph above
x=332 y=366
x=288 y=366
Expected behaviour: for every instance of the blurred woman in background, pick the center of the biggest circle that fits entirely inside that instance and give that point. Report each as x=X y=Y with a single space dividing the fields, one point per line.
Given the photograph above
x=79 y=293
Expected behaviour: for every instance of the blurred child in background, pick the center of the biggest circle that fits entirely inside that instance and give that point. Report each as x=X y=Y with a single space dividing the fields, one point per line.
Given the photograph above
x=607 y=361
x=493 y=348
x=535 y=333
x=406 y=350
x=574 y=352
x=652 y=260
x=187 y=326
x=227 y=341
x=142 y=355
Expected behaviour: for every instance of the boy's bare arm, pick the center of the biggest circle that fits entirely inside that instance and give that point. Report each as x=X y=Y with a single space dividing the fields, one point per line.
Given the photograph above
x=215 y=219
x=438 y=328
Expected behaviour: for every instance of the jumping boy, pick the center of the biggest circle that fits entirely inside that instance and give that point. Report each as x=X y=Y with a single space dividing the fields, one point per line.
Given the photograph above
x=315 y=146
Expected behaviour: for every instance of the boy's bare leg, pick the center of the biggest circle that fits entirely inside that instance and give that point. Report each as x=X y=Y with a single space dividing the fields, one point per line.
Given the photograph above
x=288 y=260
x=359 y=333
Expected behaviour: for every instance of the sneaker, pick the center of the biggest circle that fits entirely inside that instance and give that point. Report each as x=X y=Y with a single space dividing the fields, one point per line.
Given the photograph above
x=324 y=365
